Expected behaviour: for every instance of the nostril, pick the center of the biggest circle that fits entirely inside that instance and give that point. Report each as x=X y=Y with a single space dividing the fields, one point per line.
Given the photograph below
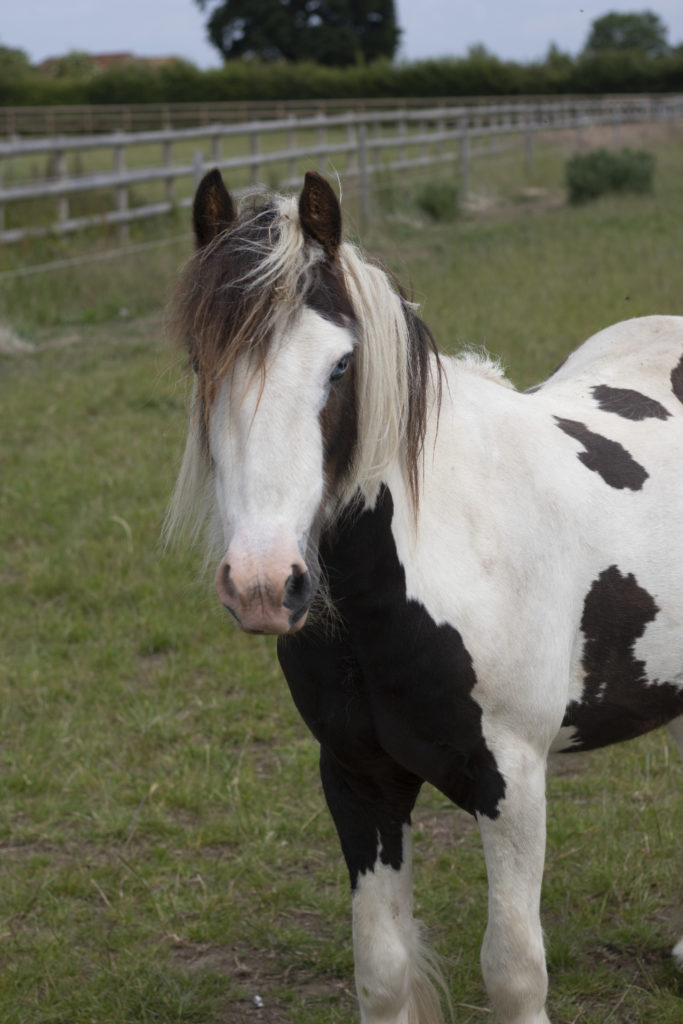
x=224 y=585
x=297 y=589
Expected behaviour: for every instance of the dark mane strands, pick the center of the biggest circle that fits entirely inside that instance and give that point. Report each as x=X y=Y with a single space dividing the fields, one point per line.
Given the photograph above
x=421 y=345
x=222 y=307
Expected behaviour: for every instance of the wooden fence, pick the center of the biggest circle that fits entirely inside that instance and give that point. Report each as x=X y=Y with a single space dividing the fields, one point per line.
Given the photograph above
x=357 y=144
x=147 y=117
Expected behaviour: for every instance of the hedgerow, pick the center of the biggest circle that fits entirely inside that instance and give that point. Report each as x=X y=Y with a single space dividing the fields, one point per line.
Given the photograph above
x=478 y=74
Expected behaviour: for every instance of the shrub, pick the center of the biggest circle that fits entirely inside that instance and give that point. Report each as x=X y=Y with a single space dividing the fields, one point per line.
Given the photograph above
x=589 y=175
x=439 y=200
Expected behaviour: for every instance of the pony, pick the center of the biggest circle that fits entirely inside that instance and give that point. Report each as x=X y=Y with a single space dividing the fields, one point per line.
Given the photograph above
x=462 y=577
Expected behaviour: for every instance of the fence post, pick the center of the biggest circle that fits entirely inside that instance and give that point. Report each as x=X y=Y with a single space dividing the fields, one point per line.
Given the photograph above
x=121 y=192
x=322 y=144
x=216 y=146
x=440 y=130
x=255 y=149
x=168 y=161
x=291 y=144
x=352 y=143
x=60 y=171
x=401 y=134
x=197 y=167
x=616 y=124
x=464 y=158
x=363 y=168
x=529 y=147
x=580 y=128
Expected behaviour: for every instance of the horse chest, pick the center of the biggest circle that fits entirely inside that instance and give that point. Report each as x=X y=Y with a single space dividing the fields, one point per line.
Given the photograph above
x=392 y=682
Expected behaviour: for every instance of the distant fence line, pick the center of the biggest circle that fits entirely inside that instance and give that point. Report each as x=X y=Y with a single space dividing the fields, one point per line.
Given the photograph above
x=366 y=141
x=126 y=117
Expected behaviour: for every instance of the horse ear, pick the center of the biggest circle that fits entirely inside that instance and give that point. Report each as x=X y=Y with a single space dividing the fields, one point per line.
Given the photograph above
x=213 y=209
x=320 y=212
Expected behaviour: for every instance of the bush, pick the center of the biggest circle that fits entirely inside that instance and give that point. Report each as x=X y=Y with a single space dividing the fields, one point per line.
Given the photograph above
x=439 y=200
x=589 y=175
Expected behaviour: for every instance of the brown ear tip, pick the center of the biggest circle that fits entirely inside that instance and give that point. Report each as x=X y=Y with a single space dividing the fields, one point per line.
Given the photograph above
x=213 y=209
x=318 y=184
x=320 y=212
x=211 y=179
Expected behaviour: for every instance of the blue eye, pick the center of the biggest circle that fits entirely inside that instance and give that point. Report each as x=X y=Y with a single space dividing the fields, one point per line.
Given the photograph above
x=341 y=368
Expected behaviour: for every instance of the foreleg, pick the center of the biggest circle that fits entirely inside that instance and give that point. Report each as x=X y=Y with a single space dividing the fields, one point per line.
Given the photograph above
x=512 y=956
x=372 y=815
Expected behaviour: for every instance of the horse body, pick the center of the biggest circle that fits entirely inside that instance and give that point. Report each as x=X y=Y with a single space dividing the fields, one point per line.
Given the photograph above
x=499 y=564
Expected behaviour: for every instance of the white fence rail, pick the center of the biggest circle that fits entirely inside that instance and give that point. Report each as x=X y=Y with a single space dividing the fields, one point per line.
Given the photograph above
x=357 y=144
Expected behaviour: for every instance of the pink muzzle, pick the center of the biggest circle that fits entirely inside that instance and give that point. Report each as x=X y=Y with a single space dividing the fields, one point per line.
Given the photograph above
x=263 y=595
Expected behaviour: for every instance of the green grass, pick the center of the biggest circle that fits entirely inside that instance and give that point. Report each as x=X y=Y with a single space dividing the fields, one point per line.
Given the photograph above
x=165 y=854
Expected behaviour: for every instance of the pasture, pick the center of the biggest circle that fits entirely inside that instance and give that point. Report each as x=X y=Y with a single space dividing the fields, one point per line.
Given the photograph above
x=165 y=853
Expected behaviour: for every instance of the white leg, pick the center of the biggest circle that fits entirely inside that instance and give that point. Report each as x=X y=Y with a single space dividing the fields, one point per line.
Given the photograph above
x=512 y=955
x=392 y=969
x=372 y=814
x=676 y=730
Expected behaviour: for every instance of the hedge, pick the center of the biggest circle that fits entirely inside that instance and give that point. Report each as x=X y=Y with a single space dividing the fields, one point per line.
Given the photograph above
x=479 y=74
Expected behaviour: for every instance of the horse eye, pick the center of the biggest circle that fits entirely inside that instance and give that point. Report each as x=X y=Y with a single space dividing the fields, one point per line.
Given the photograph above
x=341 y=368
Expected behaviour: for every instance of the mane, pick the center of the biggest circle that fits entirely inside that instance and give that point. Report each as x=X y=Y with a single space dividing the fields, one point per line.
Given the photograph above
x=481 y=363
x=248 y=285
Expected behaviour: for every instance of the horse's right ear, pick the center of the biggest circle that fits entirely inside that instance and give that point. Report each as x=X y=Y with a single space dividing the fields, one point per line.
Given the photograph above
x=213 y=209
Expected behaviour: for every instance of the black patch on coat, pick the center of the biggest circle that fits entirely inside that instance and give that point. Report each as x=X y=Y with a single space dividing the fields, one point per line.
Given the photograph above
x=632 y=405
x=677 y=380
x=617 y=702
x=388 y=696
x=607 y=458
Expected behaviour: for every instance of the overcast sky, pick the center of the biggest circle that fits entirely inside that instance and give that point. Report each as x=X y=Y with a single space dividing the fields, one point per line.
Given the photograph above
x=521 y=30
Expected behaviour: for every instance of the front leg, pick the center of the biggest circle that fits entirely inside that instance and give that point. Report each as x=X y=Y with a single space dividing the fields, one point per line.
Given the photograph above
x=512 y=955
x=394 y=973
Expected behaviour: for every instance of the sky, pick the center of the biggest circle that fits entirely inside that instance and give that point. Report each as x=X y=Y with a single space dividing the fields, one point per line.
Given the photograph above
x=522 y=30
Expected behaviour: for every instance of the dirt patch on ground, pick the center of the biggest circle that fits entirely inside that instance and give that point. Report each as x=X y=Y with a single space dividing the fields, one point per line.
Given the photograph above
x=257 y=978
x=567 y=765
x=640 y=966
x=442 y=829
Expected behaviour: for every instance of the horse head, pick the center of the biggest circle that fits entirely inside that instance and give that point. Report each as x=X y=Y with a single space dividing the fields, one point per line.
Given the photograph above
x=272 y=343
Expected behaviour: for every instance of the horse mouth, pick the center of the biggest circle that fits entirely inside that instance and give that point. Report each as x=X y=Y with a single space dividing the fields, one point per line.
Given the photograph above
x=274 y=625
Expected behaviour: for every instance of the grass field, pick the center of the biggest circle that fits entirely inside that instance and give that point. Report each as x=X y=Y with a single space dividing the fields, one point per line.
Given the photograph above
x=165 y=854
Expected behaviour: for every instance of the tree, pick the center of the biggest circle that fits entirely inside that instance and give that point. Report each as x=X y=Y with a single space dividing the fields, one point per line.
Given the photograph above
x=13 y=63
x=75 y=64
x=334 y=32
x=642 y=31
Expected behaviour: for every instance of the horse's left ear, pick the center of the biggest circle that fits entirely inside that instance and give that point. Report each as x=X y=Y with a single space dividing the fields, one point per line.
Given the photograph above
x=320 y=212
x=213 y=209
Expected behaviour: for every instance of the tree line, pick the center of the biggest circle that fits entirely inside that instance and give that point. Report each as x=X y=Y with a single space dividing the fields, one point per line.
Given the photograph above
x=623 y=53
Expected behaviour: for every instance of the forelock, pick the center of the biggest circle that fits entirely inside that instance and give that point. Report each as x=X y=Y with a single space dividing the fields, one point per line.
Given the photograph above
x=246 y=286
